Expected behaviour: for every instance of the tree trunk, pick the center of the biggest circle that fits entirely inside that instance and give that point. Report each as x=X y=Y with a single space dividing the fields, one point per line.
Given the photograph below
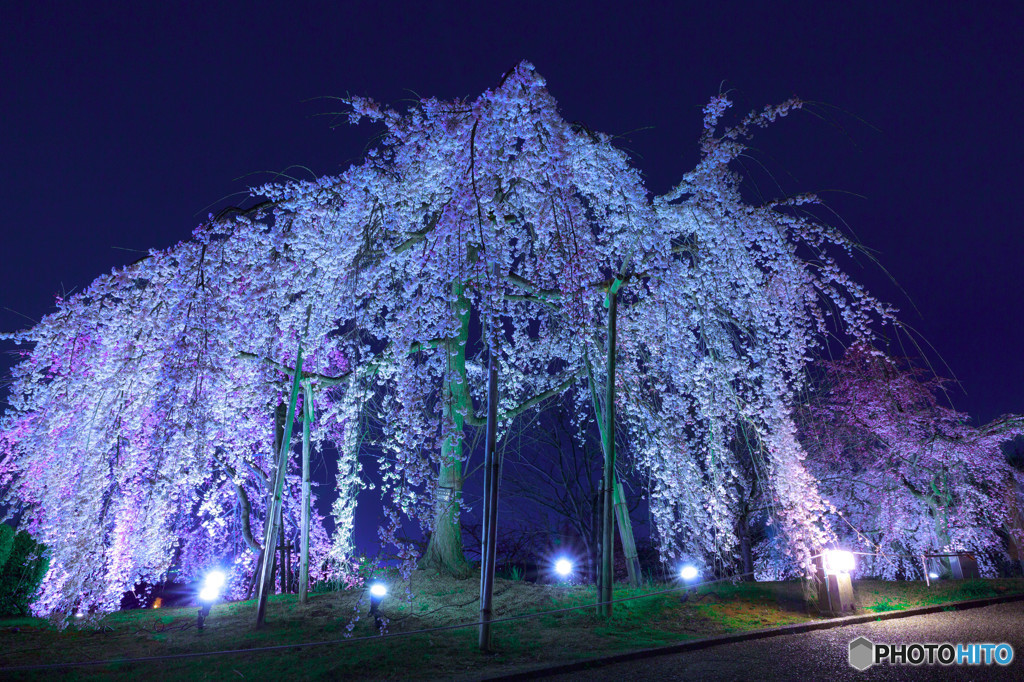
x=444 y=550
x=255 y=576
x=743 y=531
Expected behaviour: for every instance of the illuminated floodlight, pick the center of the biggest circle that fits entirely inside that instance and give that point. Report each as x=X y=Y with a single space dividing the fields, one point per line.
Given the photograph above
x=688 y=573
x=216 y=579
x=838 y=561
x=563 y=567
x=377 y=592
x=212 y=585
x=79 y=615
x=933 y=575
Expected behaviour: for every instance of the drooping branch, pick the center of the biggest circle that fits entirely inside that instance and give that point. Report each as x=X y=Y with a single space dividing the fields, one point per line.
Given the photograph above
x=243 y=502
x=321 y=379
x=559 y=389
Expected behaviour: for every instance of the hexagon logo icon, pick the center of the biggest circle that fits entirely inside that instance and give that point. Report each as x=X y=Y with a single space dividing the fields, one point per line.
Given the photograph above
x=862 y=653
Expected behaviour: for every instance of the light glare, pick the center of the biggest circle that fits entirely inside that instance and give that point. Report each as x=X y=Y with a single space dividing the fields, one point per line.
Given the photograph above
x=688 y=572
x=209 y=593
x=563 y=567
x=838 y=561
x=378 y=589
x=215 y=579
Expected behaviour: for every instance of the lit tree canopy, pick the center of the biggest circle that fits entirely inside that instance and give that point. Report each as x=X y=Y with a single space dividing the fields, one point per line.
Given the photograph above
x=485 y=226
x=136 y=435
x=910 y=475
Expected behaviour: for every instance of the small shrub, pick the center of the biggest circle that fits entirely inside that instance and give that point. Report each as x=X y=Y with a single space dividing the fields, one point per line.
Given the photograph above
x=22 y=571
x=975 y=589
x=887 y=605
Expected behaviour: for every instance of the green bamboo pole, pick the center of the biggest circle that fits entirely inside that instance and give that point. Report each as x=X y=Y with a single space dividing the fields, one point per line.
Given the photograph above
x=307 y=420
x=619 y=500
x=272 y=529
x=607 y=525
x=491 y=471
x=626 y=535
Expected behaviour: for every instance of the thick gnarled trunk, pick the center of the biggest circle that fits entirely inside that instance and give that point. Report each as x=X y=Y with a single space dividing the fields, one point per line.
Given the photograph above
x=444 y=550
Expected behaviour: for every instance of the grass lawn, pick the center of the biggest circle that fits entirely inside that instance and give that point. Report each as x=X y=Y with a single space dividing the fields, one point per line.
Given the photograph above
x=434 y=602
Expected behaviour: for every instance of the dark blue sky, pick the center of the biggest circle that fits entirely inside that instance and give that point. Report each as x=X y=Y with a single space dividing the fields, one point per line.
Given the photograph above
x=122 y=127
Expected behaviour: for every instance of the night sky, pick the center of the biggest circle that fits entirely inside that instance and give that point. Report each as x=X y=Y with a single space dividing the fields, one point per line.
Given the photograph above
x=121 y=128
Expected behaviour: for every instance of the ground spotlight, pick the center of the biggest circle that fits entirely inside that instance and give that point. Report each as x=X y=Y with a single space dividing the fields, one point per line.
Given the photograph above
x=933 y=575
x=377 y=592
x=688 y=573
x=216 y=579
x=210 y=592
x=563 y=567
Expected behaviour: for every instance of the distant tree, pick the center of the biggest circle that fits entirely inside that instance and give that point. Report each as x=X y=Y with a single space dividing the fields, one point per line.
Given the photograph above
x=907 y=474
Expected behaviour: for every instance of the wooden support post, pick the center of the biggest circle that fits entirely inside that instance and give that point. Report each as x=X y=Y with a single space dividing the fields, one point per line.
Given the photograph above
x=266 y=581
x=491 y=475
x=307 y=420
x=626 y=535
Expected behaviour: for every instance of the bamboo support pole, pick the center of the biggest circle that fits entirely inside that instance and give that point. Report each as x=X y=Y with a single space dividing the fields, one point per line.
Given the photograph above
x=282 y=547
x=307 y=420
x=491 y=476
x=626 y=535
x=266 y=582
x=607 y=525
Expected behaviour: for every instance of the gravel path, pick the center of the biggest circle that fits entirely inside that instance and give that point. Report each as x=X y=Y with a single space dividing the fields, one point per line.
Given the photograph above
x=822 y=655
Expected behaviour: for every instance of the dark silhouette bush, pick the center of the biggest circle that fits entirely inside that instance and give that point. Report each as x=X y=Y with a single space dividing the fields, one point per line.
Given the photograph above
x=22 y=566
x=6 y=542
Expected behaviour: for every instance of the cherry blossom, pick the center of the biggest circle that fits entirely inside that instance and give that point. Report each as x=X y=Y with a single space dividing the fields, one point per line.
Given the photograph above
x=142 y=412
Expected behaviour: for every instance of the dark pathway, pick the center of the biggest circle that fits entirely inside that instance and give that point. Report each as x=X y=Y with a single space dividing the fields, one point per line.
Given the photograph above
x=822 y=655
